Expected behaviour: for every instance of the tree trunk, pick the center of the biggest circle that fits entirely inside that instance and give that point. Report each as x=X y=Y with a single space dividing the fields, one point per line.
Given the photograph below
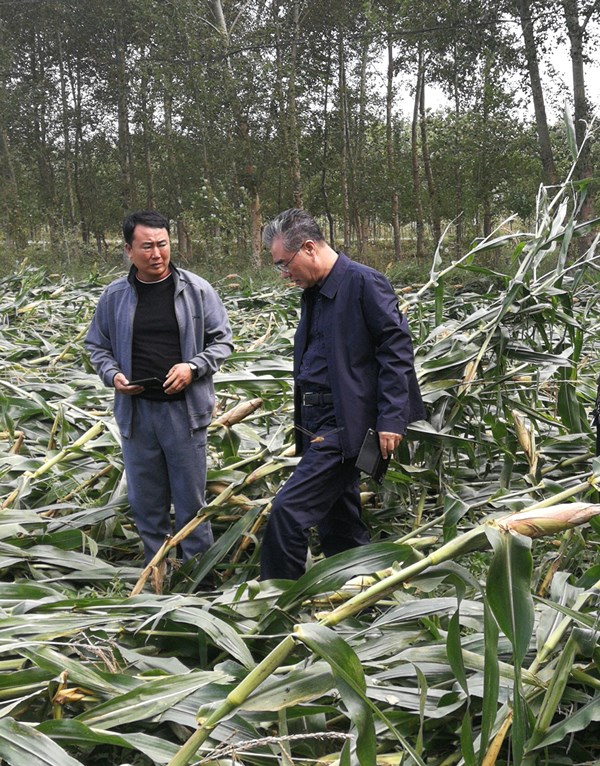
x=537 y=92
x=249 y=177
x=345 y=148
x=416 y=175
x=128 y=196
x=256 y=228
x=79 y=159
x=43 y=151
x=172 y=183
x=458 y=172
x=66 y=137
x=483 y=164
x=577 y=34
x=389 y=150
x=434 y=203
x=184 y=243
x=291 y=106
x=279 y=107
x=326 y=151
x=146 y=138
x=10 y=187
x=360 y=220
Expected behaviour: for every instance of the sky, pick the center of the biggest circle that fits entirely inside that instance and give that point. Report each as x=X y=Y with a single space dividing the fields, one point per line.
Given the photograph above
x=557 y=81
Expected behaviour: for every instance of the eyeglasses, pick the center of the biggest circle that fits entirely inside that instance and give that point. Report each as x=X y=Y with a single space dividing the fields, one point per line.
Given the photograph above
x=285 y=267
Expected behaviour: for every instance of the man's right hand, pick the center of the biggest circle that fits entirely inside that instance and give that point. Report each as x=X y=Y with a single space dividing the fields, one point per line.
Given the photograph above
x=121 y=384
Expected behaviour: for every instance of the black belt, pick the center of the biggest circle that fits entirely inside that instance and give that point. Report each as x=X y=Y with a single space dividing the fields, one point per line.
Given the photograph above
x=316 y=398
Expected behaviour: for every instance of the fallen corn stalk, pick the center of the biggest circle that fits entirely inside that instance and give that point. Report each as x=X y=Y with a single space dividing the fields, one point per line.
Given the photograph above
x=553 y=519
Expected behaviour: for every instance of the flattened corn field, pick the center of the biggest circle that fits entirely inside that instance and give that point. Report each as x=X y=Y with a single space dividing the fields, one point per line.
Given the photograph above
x=466 y=633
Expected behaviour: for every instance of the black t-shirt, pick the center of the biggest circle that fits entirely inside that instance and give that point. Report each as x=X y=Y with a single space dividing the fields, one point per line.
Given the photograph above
x=156 y=345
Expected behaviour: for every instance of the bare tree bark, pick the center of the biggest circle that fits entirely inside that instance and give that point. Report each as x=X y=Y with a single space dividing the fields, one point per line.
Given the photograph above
x=66 y=136
x=416 y=175
x=146 y=137
x=279 y=108
x=292 y=115
x=249 y=176
x=360 y=220
x=432 y=190
x=389 y=149
x=577 y=33
x=37 y=61
x=345 y=147
x=10 y=194
x=537 y=92
x=486 y=194
x=326 y=150
x=184 y=243
x=458 y=174
x=73 y=71
x=128 y=195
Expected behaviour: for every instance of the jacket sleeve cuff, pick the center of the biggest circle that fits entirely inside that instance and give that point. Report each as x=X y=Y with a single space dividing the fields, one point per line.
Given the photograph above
x=109 y=378
x=391 y=426
x=201 y=364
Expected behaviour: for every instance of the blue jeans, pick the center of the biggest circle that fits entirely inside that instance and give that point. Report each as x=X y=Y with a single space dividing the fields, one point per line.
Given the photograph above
x=322 y=492
x=165 y=463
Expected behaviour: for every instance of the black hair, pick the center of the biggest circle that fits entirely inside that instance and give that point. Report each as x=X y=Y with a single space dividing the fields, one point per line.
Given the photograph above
x=150 y=218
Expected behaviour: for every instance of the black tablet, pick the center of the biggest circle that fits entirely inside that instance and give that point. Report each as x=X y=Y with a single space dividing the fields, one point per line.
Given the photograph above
x=147 y=382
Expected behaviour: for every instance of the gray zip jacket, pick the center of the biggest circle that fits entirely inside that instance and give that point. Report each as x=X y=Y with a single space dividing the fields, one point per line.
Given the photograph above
x=205 y=337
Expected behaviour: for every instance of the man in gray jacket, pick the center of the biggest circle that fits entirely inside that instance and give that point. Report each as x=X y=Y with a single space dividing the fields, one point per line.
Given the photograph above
x=167 y=328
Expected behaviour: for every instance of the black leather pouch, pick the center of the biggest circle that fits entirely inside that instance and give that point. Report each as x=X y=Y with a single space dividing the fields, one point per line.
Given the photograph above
x=369 y=458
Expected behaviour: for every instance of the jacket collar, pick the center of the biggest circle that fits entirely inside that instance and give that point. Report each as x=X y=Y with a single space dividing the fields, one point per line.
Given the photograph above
x=174 y=271
x=334 y=279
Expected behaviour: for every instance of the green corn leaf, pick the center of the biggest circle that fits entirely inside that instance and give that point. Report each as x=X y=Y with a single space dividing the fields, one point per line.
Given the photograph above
x=221 y=633
x=350 y=681
x=148 y=700
x=22 y=745
x=218 y=551
x=491 y=679
x=80 y=673
x=424 y=431
x=293 y=688
x=554 y=692
x=75 y=733
x=508 y=588
x=569 y=408
x=466 y=739
x=455 y=657
x=508 y=593
x=579 y=721
x=334 y=571
x=423 y=694
x=581 y=618
x=454 y=510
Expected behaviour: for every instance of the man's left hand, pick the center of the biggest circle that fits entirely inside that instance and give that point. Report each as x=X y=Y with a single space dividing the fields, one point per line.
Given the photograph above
x=388 y=443
x=178 y=378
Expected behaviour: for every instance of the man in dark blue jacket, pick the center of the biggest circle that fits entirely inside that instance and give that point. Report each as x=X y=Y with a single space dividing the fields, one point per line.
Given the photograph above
x=353 y=370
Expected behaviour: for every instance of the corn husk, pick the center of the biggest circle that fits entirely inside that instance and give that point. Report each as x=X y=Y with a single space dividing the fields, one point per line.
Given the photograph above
x=546 y=521
x=526 y=437
x=238 y=413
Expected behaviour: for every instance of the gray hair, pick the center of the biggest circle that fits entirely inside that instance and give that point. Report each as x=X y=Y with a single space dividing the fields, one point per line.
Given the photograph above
x=294 y=226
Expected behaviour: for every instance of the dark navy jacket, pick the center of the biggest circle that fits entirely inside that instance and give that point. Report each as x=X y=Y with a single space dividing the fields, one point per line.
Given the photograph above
x=369 y=353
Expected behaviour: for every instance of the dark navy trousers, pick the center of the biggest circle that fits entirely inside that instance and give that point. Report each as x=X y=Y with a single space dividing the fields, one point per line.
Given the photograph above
x=322 y=492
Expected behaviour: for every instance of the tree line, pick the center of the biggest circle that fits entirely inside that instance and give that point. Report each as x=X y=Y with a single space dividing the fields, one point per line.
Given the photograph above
x=220 y=113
